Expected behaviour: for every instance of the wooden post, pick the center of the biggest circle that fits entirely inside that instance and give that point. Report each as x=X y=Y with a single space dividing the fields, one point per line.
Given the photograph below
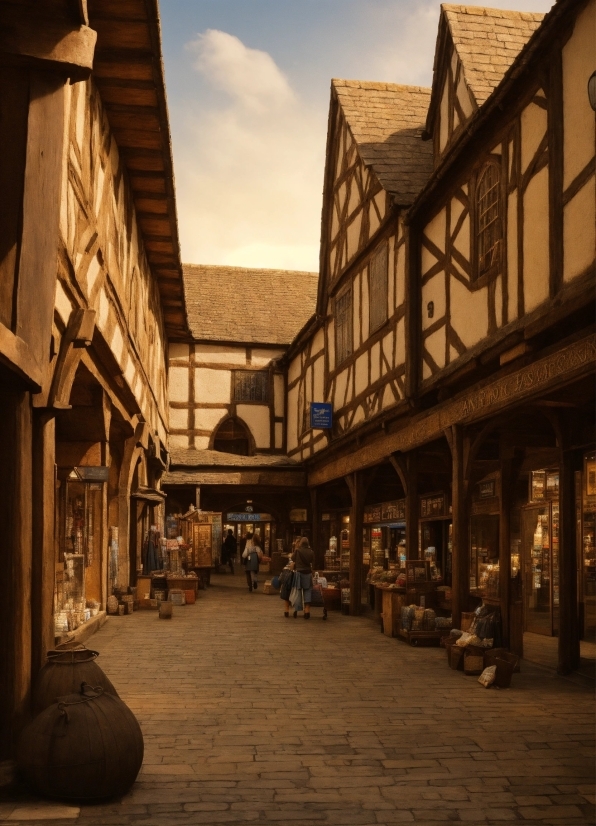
x=15 y=558
x=460 y=559
x=315 y=532
x=412 y=507
x=569 y=655
x=504 y=548
x=355 y=484
x=43 y=558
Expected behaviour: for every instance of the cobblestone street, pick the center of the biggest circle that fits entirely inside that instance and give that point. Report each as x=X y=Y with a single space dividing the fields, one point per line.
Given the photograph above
x=250 y=717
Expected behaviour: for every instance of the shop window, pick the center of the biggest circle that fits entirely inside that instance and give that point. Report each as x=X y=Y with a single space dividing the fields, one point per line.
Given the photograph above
x=344 y=326
x=251 y=386
x=232 y=437
x=377 y=281
x=488 y=220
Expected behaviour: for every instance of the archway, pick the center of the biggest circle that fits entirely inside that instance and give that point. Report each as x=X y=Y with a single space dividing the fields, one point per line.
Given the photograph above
x=232 y=436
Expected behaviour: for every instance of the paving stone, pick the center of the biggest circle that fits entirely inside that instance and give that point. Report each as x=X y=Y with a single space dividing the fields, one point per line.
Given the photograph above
x=330 y=723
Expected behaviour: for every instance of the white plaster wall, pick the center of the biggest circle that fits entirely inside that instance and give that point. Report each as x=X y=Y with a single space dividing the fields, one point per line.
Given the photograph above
x=433 y=290
x=278 y=394
x=261 y=357
x=319 y=380
x=578 y=65
x=469 y=313
x=178 y=418
x=341 y=382
x=213 y=385
x=220 y=354
x=579 y=234
x=533 y=129
x=435 y=345
x=536 y=241
x=177 y=441
x=361 y=373
x=400 y=342
x=178 y=351
x=279 y=435
x=294 y=368
x=256 y=417
x=178 y=384
x=512 y=255
x=207 y=418
x=318 y=342
x=292 y=419
x=375 y=362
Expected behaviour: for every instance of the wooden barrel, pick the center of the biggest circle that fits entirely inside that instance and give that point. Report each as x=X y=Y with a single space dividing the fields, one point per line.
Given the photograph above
x=88 y=746
x=63 y=674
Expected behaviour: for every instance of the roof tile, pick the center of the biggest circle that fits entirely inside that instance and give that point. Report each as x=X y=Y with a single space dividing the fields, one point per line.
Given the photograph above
x=386 y=121
x=236 y=303
x=486 y=38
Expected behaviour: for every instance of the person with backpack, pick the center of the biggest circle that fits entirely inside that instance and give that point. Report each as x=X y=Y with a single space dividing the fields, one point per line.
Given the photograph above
x=253 y=554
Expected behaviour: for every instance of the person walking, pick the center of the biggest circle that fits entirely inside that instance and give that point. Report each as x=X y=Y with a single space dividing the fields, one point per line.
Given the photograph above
x=253 y=555
x=287 y=578
x=229 y=549
x=303 y=558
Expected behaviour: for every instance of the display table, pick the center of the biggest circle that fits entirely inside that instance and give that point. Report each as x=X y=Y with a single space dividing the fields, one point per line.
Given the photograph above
x=183 y=583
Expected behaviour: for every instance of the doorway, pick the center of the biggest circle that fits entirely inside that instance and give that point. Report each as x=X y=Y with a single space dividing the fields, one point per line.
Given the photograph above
x=540 y=554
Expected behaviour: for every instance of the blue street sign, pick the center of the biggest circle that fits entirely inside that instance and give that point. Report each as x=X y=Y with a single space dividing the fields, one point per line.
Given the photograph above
x=321 y=415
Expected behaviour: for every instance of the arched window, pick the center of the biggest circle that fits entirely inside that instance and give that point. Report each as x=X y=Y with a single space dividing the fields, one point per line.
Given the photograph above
x=488 y=219
x=232 y=437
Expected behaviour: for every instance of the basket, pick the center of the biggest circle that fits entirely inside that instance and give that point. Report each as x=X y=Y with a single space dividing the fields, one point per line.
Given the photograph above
x=456 y=657
x=473 y=660
x=165 y=610
x=190 y=597
x=467 y=618
x=490 y=657
x=505 y=669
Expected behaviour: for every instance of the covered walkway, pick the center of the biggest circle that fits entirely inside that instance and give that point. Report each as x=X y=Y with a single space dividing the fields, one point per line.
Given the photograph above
x=250 y=717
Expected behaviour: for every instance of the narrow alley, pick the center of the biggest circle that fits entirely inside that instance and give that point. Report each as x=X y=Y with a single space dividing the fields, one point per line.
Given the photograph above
x=251 y=717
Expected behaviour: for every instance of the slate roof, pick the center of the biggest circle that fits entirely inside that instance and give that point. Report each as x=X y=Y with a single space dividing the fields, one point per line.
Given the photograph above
x=191 y=457
x=386 y=121
x=487 y=42
x=245 y=305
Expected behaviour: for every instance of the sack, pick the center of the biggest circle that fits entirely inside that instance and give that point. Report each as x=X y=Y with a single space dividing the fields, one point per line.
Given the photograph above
x=488 y=676
x=286 y=581
x=296 y=598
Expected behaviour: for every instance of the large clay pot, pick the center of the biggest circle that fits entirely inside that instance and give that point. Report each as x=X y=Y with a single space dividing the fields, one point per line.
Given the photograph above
x=63 y=674
x=87 y=746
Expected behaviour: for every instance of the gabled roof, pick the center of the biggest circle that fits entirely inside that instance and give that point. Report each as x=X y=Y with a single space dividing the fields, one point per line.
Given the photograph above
x=128 y=71
x=245 y=305
x=486 y=40
x=386 y=121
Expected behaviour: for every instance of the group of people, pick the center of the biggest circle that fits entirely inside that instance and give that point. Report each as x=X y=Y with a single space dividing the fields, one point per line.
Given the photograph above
x=300 y=567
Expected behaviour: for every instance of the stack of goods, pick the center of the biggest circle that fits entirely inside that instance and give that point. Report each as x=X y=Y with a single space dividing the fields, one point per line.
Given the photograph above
x=331 y=561
x=390 y=579
x=176 y=596
x=443 y=623
x=407 y=616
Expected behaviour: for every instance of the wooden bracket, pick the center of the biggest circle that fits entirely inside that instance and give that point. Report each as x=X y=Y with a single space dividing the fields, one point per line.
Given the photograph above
x=78 y=336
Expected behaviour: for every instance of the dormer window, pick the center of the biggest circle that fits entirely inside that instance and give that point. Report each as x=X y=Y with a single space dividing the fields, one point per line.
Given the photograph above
x=488 y=219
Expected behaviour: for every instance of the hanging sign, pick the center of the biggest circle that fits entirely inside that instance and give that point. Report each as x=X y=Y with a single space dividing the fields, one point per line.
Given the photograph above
x=298 y=515
x=321 y=416
x=93 y=474
x=249 y=517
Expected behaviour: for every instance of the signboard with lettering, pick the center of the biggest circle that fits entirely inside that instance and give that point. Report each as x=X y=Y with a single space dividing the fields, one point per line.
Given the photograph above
x=93 y=474
x=248 y=517
x=298 y=515
x=385 y=512
x=321 y=415
x=433 y=506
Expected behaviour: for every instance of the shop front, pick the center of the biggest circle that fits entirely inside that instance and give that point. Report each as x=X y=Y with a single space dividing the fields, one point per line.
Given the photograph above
x=585 y=497
x=80 y=563
x=434 y=534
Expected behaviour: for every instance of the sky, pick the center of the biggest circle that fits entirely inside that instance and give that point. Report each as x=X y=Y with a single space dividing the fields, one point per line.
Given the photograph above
x=248 y=85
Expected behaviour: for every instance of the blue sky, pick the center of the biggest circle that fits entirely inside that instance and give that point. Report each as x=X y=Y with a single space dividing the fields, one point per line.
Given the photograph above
x=248 y=94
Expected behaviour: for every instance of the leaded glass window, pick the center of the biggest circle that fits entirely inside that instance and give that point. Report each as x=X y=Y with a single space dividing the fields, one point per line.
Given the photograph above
x=488 y=218
x=344 y=325
x=251 y=386
x=378 y=288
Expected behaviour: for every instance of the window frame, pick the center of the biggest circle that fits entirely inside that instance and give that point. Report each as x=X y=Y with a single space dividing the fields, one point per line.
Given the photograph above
x=343 y=354
x=243 y=375
x=375 y=324
x=481 y=275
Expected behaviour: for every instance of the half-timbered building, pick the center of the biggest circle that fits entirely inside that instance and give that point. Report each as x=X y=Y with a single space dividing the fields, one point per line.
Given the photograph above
x=227 y=398
x=91 y=288
x=463 y=397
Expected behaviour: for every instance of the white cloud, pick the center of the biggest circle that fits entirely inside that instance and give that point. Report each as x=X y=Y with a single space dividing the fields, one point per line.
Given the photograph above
x=249 y=167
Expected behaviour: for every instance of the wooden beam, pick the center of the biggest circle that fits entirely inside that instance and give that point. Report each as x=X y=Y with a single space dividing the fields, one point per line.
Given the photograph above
x=47 y=40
